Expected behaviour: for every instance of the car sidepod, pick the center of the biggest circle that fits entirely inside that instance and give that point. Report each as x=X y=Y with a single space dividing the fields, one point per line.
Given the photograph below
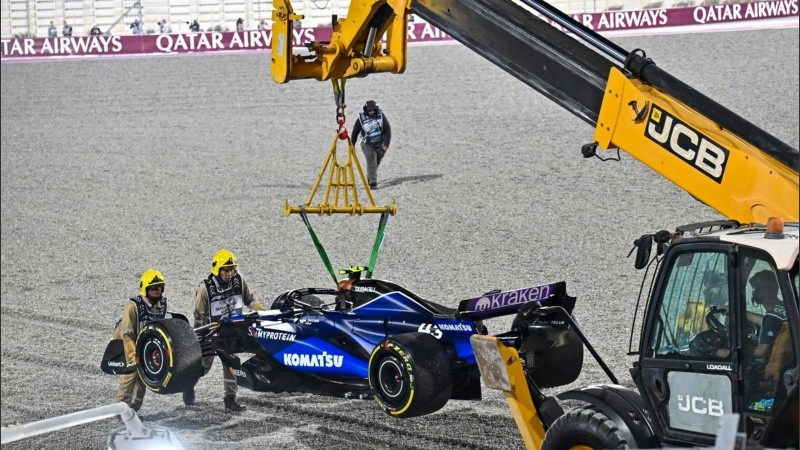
x=309 y=353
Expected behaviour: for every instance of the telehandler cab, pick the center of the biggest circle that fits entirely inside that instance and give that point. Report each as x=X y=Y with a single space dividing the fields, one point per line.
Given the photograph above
x=719 y=336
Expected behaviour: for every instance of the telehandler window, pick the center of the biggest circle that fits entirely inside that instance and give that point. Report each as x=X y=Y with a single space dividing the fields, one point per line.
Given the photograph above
x=768 y=349
x=693 y=316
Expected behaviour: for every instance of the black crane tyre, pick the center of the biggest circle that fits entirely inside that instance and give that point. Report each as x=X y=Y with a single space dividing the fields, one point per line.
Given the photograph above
x=410 y=375
x=583 y=427
x=169 y=356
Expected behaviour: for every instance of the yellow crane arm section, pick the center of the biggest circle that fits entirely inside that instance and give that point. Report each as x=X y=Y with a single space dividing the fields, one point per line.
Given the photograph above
x=355 y=48
x=501 y=369
x=710 y=163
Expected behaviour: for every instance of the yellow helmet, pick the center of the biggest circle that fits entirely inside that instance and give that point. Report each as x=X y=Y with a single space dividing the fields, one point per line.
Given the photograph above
x=151 y=277
x=223 y=258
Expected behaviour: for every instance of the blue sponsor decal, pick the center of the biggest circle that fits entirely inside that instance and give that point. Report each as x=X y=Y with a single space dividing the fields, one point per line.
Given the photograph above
x=314 y=355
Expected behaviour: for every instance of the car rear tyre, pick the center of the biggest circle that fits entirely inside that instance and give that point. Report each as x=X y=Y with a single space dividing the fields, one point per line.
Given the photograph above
x=410 y=375
x=169 y=357
x=560 y=365
x=583 y=428
x=551 y=347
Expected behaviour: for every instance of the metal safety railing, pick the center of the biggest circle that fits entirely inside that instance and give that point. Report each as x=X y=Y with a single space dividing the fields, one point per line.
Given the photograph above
x=134 y=435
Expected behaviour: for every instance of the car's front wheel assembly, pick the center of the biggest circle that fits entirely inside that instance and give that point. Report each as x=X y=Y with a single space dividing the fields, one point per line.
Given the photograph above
x=169 y=357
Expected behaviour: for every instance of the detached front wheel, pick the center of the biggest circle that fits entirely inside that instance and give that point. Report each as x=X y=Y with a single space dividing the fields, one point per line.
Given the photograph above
x=169 y=357
x=410 y=375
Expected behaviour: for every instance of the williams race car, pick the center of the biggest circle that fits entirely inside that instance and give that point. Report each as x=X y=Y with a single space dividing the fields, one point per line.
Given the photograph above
x=368 y=337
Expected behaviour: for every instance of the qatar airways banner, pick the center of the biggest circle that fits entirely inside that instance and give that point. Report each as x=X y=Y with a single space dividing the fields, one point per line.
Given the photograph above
x=676 y=17
x=87 y=46
x=418 y=32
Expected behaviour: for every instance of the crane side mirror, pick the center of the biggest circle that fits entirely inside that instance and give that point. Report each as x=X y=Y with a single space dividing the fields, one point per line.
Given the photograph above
x=643 y=245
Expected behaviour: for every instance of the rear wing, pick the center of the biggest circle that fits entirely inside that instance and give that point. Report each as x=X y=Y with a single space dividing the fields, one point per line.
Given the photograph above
x=496 y=303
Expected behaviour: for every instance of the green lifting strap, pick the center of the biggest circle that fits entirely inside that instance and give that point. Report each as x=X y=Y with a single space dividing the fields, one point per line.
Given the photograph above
x=318 y=244
x=376 y=247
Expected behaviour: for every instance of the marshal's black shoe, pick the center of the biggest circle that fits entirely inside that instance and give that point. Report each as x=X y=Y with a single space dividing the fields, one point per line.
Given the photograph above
x=231 y=405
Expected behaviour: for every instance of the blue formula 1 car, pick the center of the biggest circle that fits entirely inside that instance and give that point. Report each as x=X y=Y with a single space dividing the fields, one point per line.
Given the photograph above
x=369 y=337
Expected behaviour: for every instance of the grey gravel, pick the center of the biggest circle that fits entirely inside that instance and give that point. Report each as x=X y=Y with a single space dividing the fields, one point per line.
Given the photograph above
x=113 y=166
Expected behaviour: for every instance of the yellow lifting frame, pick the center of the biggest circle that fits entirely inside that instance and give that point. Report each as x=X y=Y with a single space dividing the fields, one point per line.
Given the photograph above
x=341 y=191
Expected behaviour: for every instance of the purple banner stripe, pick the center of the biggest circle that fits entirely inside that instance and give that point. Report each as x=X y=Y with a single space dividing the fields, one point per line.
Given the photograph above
x=697 y=15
